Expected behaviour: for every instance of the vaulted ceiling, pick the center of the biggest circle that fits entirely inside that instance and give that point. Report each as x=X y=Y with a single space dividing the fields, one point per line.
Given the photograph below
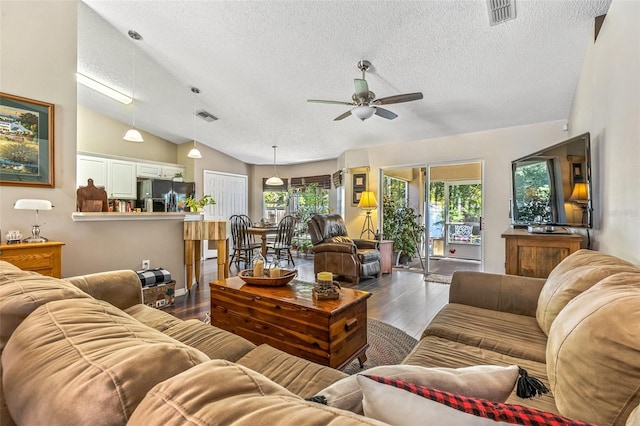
x=257 y=62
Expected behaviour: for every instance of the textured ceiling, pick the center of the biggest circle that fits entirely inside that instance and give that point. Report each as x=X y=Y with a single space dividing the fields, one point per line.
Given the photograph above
x=257 y=62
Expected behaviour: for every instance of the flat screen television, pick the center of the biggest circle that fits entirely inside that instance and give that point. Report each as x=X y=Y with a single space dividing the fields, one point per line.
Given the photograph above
x=553 y=186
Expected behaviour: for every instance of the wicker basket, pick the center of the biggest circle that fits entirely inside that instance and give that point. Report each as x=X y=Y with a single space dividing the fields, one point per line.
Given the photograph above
x=159 y=296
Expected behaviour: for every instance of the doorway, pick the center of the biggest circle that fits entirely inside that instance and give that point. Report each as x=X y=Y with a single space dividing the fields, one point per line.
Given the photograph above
x=230 y=191
x=454 y=217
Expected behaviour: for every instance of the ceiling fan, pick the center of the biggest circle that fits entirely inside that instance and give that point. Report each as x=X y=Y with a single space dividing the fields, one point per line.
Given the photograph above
x=365 y=102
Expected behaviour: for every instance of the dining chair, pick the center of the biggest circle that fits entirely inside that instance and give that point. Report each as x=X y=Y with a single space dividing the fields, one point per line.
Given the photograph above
x=243 y=242
x=281 y=246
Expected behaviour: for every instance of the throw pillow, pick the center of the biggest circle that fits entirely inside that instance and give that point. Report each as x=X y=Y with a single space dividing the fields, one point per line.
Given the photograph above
x=414 y=405
x=491 y=382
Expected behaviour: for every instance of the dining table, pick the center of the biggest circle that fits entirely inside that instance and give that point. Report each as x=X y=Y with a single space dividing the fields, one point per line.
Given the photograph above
x=263 y=232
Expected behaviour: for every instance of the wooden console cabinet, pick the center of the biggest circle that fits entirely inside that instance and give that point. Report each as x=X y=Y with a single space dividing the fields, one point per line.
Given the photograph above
x=386 y=256
x=44 y=258
x=535 y=255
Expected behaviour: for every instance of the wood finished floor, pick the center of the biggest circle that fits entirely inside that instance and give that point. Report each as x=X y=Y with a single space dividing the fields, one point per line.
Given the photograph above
x=402 y=298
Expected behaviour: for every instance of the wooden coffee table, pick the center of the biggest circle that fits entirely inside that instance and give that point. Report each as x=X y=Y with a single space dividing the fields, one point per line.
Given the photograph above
x=328 y=332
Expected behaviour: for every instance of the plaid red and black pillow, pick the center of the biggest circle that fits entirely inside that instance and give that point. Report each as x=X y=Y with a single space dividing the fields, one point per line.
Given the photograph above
x=445 y=406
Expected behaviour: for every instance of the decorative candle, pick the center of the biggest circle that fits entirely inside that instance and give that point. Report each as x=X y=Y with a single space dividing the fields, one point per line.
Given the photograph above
x=325 y=276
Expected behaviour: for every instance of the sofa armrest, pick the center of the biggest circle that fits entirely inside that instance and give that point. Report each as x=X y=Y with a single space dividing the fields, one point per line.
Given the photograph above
x=498 y=292
x=335 y=247
x=366 y=244
x=120 y=288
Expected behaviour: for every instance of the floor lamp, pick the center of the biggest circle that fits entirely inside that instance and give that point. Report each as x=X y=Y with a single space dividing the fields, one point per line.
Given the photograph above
x=367 y=203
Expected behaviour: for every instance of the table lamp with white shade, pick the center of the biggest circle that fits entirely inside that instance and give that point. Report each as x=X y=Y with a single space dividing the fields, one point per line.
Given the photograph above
x=31 y=204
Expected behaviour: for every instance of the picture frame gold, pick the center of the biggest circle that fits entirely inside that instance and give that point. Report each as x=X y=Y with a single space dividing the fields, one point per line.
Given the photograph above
x=26 y=142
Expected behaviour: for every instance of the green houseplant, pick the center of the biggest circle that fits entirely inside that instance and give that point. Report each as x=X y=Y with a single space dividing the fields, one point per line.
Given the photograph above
x=199 y=205
x=401 y=224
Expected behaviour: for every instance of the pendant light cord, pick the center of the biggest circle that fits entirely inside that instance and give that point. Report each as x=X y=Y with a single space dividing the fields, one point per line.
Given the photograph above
x=133 y=94
x=275 y=171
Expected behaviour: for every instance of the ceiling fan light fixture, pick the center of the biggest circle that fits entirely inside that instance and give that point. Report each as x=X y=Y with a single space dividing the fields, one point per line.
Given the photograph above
x=363 y=112
x=133 y=135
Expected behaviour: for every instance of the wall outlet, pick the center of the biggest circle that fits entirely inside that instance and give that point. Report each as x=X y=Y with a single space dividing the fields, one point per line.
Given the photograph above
x=146 y=264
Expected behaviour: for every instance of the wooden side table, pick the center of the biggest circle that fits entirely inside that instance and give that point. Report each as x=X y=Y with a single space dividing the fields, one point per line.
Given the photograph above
x=386 y=256
x=194 y=233
x=535 y=255
x=44 y=258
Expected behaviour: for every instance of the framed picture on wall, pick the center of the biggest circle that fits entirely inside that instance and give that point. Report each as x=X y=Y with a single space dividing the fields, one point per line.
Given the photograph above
x=26 y=142
x=359 y=186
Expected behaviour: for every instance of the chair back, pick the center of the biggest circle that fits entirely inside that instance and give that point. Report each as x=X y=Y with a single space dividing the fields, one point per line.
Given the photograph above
x=239 y=235
x=323 y=227
x=286 y=229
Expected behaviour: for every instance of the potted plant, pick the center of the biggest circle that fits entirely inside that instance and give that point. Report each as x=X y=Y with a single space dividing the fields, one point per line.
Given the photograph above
x=178 y=177
x=401 y=224
x=199 y=205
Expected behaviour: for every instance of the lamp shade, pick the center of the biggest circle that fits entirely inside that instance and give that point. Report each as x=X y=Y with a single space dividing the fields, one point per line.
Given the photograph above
x=363 y=112
x=580 y=192
x=274 y=181
x=31 y=204
x=367 y=201
x=194 y=153
x=133 y=135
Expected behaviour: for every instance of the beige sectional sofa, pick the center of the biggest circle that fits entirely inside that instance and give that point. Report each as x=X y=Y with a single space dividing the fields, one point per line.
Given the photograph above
x=85 y=350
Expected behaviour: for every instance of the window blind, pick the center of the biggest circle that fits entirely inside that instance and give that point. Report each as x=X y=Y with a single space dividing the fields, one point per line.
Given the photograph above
x=323 y=181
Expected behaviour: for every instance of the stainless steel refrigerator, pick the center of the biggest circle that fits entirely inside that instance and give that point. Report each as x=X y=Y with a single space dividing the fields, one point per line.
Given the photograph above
x=166 y=195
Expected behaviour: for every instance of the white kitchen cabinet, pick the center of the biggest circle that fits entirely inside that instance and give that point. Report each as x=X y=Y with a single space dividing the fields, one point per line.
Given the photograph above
x=121 y=179
x=148 y=170
x=90 y=167
x=169 y=172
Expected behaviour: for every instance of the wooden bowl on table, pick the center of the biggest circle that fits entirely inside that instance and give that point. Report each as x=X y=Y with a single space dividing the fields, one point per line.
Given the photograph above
x=286 y=276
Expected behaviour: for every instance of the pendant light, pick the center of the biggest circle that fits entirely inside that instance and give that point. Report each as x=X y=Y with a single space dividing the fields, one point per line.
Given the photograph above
x=132 y=134
x=194 y=152
x=274 y=180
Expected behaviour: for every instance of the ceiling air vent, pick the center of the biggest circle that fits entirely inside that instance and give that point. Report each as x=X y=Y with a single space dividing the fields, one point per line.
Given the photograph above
x=501 y=11
x=206 y=116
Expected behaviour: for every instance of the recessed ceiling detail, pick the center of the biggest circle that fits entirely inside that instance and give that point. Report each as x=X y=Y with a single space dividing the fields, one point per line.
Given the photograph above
x=206 y=116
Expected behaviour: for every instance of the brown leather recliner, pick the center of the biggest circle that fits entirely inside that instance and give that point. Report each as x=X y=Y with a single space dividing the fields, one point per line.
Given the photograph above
x=335 y=252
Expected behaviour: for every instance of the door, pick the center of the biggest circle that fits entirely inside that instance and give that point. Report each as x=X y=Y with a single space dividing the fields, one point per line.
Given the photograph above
x=454 y=214
x=230 y=191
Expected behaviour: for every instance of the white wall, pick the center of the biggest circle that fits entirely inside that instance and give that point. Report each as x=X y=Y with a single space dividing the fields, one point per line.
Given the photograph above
x=46 y=71
x=607 y=104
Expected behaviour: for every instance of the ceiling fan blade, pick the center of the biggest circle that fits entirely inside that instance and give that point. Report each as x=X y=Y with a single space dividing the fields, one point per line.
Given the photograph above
x=385 y=113
x=341 y=116
x=322 y=101
x=362 y=88
x=396 y=99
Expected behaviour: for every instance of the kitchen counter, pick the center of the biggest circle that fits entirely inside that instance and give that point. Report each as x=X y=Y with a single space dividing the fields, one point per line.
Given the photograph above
x=116 y=216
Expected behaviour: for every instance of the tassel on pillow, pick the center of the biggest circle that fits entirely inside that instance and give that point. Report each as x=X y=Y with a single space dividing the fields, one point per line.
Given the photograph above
x=527 y=386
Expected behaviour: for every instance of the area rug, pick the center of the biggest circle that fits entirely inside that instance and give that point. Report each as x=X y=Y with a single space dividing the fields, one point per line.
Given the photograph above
x=387 y=345
x=438 y=278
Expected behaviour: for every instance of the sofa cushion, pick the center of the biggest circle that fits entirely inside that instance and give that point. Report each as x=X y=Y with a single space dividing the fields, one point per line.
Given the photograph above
x=510 y=334
x=593 y=355
x=22 y=292
x=222 y=393
x=302 y=377
x=152 y=317
x=213 y=341
x=491 y=382
x=83 y=361
x=433 y=351
x=415 y=405
x=575 y=274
